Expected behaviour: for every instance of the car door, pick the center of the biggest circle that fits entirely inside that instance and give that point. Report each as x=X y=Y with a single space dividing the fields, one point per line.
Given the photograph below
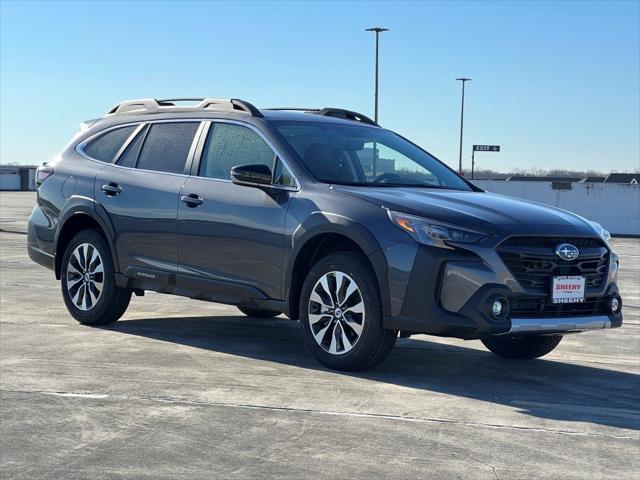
x=140 y=195
x=230 y=234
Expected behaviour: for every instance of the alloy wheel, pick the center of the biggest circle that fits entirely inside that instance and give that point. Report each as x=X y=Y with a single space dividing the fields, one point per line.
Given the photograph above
x=336 y=312
x=85 y=276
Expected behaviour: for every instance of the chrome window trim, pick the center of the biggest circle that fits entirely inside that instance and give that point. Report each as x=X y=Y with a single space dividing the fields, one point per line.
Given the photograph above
x=143 y=124
x=128 y=142
x=203 y=129
x=80 y=147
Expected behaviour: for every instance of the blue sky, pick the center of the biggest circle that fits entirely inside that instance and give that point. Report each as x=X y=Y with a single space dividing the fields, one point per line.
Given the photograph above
x=555 y=84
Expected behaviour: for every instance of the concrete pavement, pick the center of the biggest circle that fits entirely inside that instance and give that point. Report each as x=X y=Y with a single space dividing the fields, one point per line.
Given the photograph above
x=186 y=389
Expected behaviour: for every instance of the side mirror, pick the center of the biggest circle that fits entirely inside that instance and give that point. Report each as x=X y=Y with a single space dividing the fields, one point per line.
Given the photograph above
x=251 y=175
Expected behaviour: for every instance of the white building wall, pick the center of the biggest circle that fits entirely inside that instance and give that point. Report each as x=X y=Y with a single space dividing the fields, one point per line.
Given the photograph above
x=10 y=179
x=615 y=206
x=17 y=177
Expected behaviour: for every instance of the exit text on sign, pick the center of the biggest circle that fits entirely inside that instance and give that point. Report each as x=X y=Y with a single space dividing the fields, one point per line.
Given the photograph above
x=486 y=148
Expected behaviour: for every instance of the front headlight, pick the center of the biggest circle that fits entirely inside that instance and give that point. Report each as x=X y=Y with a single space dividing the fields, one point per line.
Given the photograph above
x=602 y=232
x=433 y=232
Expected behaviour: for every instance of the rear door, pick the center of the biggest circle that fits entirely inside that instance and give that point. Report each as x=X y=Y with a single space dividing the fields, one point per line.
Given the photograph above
x=140 y=195
x=232 y=234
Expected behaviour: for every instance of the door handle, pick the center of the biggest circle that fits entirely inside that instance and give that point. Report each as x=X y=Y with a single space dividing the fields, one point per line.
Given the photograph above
x=112 y=189
x=192 y=200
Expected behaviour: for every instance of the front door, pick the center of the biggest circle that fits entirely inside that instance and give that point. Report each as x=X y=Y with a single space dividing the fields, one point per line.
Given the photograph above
x=231 y=234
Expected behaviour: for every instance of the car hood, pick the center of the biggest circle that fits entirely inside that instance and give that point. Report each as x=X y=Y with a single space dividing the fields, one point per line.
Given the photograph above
x=491 y=212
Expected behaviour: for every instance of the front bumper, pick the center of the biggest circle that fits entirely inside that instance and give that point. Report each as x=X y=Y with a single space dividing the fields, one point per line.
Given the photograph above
x=449 y=293
x=551 y=325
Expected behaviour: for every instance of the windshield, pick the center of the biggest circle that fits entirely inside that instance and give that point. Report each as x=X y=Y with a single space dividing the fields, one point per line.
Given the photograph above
x=369 y=156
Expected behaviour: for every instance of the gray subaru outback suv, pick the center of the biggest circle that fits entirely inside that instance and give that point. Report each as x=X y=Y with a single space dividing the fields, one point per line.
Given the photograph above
x=321 y=215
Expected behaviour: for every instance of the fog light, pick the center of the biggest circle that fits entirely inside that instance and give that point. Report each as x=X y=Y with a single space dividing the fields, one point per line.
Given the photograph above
x=615 y=304
x=497 y=308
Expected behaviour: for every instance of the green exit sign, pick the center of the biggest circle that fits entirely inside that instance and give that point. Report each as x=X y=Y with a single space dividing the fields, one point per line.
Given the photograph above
x=486 y=148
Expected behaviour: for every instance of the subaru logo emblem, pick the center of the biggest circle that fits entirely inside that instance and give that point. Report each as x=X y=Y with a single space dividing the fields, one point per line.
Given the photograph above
x=568 y=252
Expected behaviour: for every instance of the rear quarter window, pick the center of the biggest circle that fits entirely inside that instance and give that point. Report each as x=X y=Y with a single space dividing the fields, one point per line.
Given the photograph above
x=107 y=145
x=130 y=156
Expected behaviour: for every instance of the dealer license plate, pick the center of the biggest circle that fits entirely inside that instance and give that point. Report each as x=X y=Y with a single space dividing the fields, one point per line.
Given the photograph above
x=568 y=289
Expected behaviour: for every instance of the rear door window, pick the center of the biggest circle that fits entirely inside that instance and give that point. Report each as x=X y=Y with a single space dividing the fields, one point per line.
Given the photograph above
x=230 y=145
x=105 y=147
x=167 y=146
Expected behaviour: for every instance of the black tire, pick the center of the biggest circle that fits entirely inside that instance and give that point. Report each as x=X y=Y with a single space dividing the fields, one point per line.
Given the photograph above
x=112 y=301
x=522 y=347
x=258 y=313
x=374 y=342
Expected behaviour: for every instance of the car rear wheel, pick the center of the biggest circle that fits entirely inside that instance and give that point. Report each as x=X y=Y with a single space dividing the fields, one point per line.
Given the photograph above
x=341 y=314
x=88 y=282
x=258 y=313
x=522 y=347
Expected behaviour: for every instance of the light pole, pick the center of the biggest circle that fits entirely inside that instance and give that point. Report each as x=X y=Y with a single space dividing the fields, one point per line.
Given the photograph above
x=374 y=163
x=377 y=30
x=463 y=80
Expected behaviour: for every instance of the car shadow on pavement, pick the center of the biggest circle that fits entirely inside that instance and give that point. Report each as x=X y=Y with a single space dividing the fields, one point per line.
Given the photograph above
x=543 y=388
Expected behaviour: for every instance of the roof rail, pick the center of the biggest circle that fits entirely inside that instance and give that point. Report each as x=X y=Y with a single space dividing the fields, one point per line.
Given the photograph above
x=347 y=115
x=151 y=105
x=333 y=112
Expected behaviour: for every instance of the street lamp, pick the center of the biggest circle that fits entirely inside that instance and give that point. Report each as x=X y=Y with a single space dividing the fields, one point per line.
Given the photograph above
x=378 y=30
x=463 y=80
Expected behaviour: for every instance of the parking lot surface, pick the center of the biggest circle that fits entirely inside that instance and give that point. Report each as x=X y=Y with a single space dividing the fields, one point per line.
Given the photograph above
x=181 y=388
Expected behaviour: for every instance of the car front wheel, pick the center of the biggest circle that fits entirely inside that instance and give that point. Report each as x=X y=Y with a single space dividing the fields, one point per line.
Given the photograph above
x=88 y=282
x=341 y=314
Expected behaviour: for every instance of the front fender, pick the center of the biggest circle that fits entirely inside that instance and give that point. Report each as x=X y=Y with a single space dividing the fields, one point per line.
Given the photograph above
x=326 y=222
x=320 y=223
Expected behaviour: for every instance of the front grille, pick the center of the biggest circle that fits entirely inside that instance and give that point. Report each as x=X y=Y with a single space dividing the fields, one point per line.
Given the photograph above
x=537 y=307
x=551 y=242
x=533 y=262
